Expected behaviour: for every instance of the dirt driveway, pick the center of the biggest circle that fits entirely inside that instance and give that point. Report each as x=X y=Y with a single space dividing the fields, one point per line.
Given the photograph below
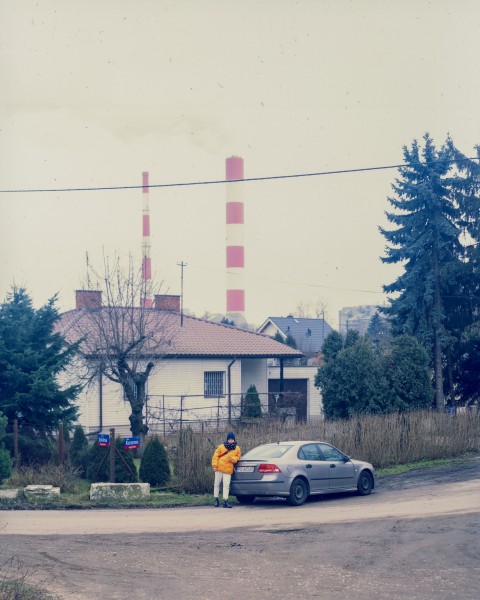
x=417 y=537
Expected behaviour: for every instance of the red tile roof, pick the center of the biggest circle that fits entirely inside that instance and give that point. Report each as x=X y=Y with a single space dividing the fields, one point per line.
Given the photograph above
x=196 y=338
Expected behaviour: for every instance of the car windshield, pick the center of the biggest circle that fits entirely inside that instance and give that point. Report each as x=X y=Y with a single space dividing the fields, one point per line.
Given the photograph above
x=264 y=452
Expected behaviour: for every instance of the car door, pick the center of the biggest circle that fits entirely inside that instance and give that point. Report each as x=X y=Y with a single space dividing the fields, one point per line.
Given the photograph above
x=315 y=467
x=341 y=473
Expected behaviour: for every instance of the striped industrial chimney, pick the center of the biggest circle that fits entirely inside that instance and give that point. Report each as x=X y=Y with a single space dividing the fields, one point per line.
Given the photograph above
x=146 y=300
x=234 y=238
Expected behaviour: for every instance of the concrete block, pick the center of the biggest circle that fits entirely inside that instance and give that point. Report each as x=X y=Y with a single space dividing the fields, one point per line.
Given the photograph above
x=119 y=491
x=10 y=494
x=41 y=491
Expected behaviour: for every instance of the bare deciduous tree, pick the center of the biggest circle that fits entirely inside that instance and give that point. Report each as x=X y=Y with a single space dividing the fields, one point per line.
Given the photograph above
x=124 y=338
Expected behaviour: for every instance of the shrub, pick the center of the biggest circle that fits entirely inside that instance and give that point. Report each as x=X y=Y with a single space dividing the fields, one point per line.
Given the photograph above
x=78 y=451
x=251 y=405
x=154 y=465
x=64 y=477
x=5 y=460
x=192 y=463
x=97 y=454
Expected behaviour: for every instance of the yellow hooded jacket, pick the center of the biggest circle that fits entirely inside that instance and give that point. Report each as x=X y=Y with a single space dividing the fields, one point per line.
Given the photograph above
x=223 y=459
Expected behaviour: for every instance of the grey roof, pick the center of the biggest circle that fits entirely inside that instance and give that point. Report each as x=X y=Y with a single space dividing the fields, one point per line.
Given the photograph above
x=309 y=334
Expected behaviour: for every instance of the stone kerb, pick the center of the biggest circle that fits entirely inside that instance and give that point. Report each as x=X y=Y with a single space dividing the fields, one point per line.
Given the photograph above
x=119 y=491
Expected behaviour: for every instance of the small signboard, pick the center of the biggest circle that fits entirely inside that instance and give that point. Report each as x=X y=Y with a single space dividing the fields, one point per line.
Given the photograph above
x=130 y=443
x=103 y=439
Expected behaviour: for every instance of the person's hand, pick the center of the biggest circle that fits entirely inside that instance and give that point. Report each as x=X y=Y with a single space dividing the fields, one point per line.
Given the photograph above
x=215 y=469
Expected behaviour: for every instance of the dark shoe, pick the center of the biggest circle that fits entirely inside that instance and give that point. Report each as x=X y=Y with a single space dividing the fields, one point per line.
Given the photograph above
x=226 y=504
x=216 y=503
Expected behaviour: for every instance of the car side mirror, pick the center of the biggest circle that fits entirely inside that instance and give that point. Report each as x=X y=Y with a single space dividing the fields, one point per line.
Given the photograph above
x=346 y=458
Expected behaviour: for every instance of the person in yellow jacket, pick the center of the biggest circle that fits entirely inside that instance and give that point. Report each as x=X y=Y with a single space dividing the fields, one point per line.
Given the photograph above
x=223 y=460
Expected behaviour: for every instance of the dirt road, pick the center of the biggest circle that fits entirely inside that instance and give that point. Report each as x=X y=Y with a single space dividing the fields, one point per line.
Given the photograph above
x=417 y=537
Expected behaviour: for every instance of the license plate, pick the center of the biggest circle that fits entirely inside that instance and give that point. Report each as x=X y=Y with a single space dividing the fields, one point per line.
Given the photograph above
x=244 y=469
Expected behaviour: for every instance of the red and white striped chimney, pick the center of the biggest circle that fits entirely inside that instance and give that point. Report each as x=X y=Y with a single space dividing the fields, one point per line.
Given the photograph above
x=146 y=300
x=235 y=240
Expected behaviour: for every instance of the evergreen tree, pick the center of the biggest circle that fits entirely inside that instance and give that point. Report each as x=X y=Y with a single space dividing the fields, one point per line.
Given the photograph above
x=290 y=341
x=32 y=357
x=5 y=459
x=252 y=407
x=332 y=345
x=278 y=337
x=407 y=372
x=154 y=465
x=426 y=242
x=353 y=382
x=122 y=475
x=78 y=450
x=379 y=331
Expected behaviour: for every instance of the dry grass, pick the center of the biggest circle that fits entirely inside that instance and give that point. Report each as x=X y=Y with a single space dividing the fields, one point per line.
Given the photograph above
x=63 y=477
x=383 y=440
x=16 y=583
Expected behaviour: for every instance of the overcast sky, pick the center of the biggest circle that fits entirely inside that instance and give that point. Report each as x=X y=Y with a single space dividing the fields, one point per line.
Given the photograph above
x=95 y=92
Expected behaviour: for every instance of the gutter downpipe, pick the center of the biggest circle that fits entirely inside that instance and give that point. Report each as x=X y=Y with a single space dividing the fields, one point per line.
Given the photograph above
x=229 y=383
x=281 y=382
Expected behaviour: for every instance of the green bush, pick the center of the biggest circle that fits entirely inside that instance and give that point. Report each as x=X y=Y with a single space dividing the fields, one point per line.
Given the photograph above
x=78 y=451
x=97 y=454
x=5 y=460
x=34 y=448
x=154 y=465
x=252 y=407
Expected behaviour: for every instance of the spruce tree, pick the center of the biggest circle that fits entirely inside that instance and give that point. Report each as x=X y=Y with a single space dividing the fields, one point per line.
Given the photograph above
x=78 y=450
x=426 y=242
x=251 y=405
x=5 y=459
x=154 y=465
x=32 y=356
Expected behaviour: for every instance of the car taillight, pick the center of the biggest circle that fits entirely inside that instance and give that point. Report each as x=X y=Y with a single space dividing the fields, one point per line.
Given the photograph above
x=267 y=468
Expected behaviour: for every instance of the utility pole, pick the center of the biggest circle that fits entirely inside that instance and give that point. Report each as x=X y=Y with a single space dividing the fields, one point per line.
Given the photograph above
x=182 y=265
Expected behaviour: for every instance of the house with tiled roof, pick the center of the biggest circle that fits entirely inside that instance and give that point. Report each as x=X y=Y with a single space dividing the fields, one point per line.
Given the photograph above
x=309 y=334
x=201 y=375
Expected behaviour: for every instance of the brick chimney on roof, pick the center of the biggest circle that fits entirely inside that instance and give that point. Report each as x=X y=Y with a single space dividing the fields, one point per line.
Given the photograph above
x=88 y=299
x=167 y=302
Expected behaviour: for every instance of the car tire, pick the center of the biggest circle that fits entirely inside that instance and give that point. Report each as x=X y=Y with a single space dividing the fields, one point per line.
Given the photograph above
x=245 y=499
x=365 y=483
x=298 y=492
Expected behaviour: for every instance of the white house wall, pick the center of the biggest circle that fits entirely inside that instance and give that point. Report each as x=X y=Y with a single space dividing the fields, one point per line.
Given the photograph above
x=254 y=372
x=314 y=397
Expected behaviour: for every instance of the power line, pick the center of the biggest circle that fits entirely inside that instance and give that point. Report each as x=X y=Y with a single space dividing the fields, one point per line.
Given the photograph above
x=218 y=181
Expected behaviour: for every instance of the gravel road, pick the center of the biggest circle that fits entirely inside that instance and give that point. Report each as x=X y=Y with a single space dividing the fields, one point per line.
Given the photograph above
x=417 y=537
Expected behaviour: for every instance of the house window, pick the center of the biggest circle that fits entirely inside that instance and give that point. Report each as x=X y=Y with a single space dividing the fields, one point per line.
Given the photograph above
x=213 y=383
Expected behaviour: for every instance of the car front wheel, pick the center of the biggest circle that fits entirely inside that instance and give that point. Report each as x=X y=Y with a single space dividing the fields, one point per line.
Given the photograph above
x=365 y=483
x=298 y=492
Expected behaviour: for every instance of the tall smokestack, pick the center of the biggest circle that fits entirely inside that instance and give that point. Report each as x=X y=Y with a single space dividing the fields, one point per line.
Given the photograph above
x=146 y=300
x=235 y=240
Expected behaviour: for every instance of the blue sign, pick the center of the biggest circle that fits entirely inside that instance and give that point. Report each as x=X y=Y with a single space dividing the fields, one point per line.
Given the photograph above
x=103 y=439
x=131 y=442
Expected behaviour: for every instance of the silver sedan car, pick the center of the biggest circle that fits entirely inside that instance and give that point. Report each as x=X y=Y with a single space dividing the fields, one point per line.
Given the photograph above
x=296 y=470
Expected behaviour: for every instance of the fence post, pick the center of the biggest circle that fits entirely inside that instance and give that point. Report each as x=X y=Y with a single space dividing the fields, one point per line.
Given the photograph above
x=112 y=455
x=15 y=442
x=164 y=424
x=181 y=414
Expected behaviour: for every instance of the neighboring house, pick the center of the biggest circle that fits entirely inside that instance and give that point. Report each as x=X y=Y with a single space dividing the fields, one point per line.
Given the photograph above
x=356 y=318
x=202 y=374
x=309 y=334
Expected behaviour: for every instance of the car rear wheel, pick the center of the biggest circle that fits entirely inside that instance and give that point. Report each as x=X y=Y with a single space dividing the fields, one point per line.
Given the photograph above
x=245 y=499
x=365 y=483
x=298 y=492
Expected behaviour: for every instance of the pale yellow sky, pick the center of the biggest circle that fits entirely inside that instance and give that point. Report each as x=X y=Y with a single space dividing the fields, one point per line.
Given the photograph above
x=95 y=92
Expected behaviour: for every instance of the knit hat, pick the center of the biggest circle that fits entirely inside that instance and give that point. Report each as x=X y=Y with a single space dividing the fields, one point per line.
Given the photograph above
x=231 y=436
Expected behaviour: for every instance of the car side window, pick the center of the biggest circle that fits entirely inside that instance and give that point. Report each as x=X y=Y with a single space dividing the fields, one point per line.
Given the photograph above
x=310 y=452
x=331 y=453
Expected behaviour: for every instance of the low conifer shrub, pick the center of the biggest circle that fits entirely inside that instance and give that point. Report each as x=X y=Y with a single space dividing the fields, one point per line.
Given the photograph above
x=154 y=466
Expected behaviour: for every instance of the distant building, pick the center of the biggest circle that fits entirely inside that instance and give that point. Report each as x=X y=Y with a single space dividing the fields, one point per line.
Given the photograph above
x=356 y=318
x=309 y=334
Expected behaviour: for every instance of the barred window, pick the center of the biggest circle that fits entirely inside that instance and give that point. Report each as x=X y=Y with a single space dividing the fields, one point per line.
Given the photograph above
x=213 y=383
